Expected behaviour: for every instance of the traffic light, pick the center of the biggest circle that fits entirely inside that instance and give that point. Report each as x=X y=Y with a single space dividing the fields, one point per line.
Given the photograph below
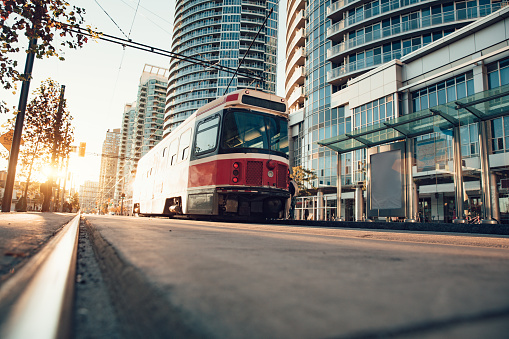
x=81 y=152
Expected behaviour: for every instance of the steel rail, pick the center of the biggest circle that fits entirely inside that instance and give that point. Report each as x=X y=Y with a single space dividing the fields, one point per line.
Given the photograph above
x=44 y=287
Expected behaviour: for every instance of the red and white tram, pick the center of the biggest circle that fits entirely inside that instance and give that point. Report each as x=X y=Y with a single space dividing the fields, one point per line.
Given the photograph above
x=229 y=159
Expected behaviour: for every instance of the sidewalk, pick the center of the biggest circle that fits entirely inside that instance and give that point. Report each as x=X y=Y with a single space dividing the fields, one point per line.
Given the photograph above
x=22 y=234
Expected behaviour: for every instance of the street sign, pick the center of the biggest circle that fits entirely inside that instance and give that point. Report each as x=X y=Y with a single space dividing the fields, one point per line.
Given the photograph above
x=6 y=140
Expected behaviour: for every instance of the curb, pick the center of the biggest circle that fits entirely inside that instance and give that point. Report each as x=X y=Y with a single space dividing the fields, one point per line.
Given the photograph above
x=486 y=229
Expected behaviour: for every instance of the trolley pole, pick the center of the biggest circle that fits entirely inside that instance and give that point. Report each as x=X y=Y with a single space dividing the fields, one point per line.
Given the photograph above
x=18 y=128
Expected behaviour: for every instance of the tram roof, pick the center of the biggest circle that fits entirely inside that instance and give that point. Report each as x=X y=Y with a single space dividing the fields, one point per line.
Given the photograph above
x=481 y=106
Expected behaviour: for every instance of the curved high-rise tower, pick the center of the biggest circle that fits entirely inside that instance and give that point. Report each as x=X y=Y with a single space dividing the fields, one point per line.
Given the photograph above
x=219 y=32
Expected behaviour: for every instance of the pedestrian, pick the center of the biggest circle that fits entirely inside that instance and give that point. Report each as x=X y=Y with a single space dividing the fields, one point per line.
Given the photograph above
x=294 y=190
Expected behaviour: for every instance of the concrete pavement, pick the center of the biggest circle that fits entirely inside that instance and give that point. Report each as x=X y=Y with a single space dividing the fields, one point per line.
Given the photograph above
x=197 y=279
x=23 y=233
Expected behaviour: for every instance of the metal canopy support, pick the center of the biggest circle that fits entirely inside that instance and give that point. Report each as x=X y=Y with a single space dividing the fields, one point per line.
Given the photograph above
x=397 y=130
x=339 y=190
x=359 y=139
x=447 y=117
x=485 y=174
x=410 y=180
x=458 y=176
x=478 y=114
x=359 y=205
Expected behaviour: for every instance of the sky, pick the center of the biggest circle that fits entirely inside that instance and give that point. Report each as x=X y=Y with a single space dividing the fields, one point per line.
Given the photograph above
x=102 y=77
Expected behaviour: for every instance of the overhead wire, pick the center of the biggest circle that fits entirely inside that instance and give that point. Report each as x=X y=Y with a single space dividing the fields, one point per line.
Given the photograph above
x=109 y=16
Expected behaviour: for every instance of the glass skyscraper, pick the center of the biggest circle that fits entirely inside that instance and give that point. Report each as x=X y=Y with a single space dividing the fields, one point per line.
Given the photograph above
x=219 y=33
x=331 y=42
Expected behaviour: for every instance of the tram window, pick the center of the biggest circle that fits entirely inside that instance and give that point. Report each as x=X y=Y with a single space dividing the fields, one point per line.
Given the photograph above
x=185 y=140
x=206 y=135
x=254 y=131
x=173 y=151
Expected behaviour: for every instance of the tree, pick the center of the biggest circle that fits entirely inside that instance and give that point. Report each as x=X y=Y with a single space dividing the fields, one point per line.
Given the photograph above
x=304 y=179
x=46 y=20
x=39 y=136
x=75 y=202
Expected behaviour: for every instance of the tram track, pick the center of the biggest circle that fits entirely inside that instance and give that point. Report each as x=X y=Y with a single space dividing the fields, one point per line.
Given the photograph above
x=37 y=301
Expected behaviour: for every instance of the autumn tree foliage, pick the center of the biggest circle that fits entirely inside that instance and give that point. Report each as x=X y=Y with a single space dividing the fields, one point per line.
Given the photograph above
x=304 y=179
x=52 y=22
x=39 y=134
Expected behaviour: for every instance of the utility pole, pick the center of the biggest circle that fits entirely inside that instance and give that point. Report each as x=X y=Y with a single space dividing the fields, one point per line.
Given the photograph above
x=18 y=128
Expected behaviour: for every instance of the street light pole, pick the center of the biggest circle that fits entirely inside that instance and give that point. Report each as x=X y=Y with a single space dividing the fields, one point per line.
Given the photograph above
x=18 y=128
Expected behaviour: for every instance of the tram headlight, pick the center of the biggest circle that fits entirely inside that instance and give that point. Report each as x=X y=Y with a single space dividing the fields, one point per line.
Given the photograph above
x=235 y=179
x=271 y=164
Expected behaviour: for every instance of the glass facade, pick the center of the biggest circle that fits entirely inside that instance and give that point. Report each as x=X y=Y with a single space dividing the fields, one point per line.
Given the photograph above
x=498 y=75
x=369 y=34
x=359 y=36
x=344 y=39
x=220 y=34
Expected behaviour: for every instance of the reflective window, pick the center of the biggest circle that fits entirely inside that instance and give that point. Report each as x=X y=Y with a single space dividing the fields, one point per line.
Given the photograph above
x=206 y=135
x=443 y=92
x=185 y=141
x=245 y=130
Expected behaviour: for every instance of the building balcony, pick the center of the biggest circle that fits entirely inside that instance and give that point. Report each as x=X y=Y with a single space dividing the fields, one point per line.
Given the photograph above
x=254 y=47
x=341 y=74
x=335 y=32
x=253 y=12
x=336 y=53
x=260 y=4
x=297 y=96
x=298 y=40
x=182 y=19
x=298 y=21
x=294 y=7
x=297 y=59
x=296 y=77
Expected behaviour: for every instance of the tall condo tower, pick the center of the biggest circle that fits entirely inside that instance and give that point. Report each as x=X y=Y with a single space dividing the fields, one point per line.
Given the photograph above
x=148 y=120
x=219 y=32
x=108 y=170
x=124 y=153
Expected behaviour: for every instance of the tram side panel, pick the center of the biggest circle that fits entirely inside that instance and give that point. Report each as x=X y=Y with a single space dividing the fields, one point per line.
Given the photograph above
x=162 y=175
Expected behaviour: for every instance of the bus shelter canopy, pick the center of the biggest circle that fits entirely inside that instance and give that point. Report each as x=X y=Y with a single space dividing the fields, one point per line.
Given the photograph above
x=481 y=106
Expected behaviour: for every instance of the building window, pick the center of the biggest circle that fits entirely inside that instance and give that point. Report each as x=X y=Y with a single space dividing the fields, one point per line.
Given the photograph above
x=469 y=140
x=443 y=92
x=498 y=73
x=374 y=112
x=500 y=135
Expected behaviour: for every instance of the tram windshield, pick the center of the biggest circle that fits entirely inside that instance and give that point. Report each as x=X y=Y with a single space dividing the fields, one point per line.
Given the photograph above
x=255 y=132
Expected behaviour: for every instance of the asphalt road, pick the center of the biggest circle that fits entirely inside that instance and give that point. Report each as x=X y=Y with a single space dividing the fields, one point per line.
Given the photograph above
x=230 y=280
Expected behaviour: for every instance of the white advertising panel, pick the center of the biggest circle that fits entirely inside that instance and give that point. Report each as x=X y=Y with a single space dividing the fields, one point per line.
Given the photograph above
x=386 y=180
